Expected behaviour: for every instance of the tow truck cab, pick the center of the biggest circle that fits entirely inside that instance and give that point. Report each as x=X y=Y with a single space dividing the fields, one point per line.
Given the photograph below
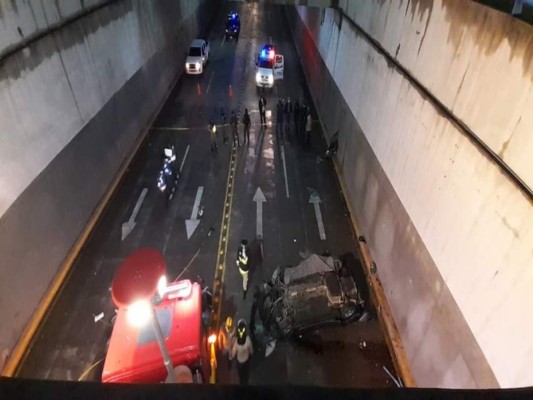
x=268 y=67
x=133 y=354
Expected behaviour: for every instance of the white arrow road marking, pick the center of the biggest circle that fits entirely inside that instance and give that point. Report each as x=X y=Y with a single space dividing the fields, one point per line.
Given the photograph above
x=192 y=224
x=127 y=227
x=314 y=199
x=184 y=157
x=285 y=170
x=259 y=199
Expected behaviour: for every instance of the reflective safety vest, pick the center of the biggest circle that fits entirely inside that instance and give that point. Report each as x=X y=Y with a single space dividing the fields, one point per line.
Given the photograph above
x=242 y=258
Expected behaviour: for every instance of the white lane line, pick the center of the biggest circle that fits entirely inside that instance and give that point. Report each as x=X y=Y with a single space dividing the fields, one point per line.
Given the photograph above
x=285 y=170
x=209 y=84
x=184 y=157
x=223 y=41
x=314 y=199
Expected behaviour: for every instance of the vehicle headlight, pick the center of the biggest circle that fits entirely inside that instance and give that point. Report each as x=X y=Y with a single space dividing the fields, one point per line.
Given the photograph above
x=271 y=79
x=197 y=65
x=257 y=77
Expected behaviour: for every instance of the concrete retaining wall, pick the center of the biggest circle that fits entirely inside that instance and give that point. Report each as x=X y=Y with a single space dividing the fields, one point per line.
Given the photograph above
x=450 y=233
x=72 y=104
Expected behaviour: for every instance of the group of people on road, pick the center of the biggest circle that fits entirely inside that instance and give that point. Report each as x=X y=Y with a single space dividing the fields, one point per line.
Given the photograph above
x=233 y=124
x=297 y=115
x=289 y=118
x=236 y=343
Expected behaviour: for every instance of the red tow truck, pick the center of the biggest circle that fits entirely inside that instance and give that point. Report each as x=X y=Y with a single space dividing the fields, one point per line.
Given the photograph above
x=134 y=355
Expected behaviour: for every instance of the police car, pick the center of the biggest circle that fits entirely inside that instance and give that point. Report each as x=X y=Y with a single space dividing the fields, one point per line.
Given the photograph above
x=268 y=67
x=233 y=25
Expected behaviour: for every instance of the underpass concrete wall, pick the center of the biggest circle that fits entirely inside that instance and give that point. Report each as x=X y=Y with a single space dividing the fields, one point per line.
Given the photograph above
x=72 y=105
x=450 y=232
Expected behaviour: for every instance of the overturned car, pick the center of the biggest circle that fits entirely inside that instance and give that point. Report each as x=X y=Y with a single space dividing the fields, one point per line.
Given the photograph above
x=319 y=290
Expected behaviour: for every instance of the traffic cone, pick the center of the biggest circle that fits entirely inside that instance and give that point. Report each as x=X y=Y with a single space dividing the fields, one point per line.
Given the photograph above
x=199 y=89
x=230 y=91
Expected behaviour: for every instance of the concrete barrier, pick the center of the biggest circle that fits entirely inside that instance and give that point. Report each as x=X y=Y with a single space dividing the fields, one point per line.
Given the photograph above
x=72 y=105
x=449 y=232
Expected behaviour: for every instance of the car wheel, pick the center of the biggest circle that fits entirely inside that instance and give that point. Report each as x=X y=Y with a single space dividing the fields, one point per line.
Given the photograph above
x=348 y=312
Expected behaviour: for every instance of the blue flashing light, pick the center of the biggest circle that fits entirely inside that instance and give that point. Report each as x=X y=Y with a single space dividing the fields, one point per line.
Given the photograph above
x=267 y=53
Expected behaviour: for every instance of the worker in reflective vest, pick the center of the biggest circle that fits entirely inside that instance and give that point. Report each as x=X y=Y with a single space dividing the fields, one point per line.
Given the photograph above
x=243 y=265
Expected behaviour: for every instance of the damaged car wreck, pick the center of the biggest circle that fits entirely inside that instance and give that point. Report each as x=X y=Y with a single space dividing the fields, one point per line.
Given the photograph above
x=320 y=290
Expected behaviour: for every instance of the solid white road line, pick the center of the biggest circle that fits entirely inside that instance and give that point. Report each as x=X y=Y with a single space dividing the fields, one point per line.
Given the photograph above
x=285 y=170
x=184 y=157
x=209 y=84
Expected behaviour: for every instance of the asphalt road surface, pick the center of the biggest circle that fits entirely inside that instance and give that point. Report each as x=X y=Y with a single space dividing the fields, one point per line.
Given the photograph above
x=70 y=345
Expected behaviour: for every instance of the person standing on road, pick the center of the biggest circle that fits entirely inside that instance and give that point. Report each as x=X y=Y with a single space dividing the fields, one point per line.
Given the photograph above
x=234 y=122
x=279 y=118
x=296 y=119
x=303 y=121
x=223 y=126
x=288 y=117
x=226 y=339
x=308 y=127
x=246 y=122
x=243 y=265
x=262 y=110
x=213 y=133
x=243 y=350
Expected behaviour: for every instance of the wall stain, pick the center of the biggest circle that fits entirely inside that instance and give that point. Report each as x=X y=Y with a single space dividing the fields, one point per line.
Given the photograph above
x=71 y=35
x=506 y=143
x=489 y=28
x=514 y=231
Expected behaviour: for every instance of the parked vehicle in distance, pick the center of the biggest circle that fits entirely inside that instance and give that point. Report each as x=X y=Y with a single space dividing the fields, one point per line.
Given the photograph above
x=268 y=67
x=233 y=25
x=197 y=57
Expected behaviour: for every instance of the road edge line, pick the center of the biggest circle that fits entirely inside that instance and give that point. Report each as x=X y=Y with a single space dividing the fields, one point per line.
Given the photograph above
x=24 y=343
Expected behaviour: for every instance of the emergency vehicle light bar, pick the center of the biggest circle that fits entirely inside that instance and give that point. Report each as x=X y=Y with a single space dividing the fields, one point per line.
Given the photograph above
x=181 y=289
x=271 y=54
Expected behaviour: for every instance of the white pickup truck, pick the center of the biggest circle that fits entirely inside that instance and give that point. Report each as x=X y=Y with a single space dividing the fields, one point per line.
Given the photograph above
x=197 y=57
x=268 y=67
